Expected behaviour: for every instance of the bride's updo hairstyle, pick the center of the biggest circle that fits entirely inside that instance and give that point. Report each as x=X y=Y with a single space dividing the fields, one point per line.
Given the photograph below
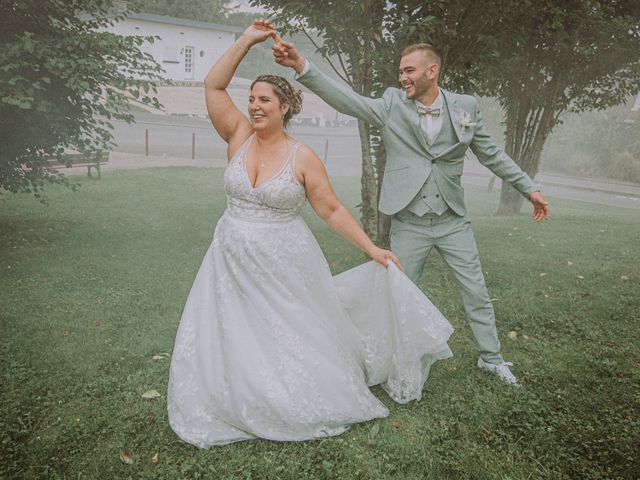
x=285 y=92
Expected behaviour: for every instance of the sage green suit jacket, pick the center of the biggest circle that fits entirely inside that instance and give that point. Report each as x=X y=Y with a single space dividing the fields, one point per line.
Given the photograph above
x=409 y=162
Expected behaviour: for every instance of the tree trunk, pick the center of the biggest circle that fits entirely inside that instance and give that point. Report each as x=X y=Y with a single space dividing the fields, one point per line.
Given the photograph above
x=492 y=183
x=369 y=188
x=528 y=127
x=384 y=228
x=384 y=221
x=510 y=201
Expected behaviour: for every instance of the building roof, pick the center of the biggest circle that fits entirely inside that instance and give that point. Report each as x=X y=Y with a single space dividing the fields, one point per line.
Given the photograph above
x=152 y=17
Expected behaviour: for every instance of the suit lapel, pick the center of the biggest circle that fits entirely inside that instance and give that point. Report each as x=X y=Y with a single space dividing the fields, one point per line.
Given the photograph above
x=454 y=113
x=415 y=122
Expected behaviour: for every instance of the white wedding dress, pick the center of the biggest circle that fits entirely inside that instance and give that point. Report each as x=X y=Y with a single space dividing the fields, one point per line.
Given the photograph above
x=270 y=345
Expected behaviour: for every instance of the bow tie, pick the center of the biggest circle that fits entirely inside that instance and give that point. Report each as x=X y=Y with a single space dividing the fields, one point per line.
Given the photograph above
x=434 y=112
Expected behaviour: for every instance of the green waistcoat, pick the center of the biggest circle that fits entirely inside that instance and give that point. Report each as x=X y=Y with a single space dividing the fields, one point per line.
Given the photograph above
x=430 y=199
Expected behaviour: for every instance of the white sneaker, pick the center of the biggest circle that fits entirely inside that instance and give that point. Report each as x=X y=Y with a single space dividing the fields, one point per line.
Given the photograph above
x=501 y=370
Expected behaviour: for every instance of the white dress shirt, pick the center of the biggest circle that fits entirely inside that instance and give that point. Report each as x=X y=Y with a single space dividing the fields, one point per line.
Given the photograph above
x=306 y=68
x=431 y=125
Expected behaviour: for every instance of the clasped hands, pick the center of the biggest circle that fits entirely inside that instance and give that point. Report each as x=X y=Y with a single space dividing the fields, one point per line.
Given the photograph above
x=284 y=53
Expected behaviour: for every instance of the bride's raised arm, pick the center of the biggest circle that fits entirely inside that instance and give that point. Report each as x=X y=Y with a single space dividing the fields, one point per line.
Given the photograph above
x=232 y=125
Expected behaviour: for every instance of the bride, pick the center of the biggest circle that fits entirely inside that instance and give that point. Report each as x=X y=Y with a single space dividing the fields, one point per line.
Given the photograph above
x=270 y=345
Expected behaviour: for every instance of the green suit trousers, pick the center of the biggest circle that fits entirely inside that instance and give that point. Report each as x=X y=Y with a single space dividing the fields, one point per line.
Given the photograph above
x=413 y=237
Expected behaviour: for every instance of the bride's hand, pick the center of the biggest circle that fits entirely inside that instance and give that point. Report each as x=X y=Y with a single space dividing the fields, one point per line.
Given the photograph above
x=259 y=31
x=383 y=256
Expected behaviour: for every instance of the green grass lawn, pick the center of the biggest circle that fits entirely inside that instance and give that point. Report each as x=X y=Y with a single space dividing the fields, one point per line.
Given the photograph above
x=92 y=287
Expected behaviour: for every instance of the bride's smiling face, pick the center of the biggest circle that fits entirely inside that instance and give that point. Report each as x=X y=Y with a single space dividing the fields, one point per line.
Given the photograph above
x=265 y=109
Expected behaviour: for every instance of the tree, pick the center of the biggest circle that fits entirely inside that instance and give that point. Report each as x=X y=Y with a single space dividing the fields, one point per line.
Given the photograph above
x=362 y=41
x=351 y=33
x=539 y=58
x=62 y=80
x=556 y=56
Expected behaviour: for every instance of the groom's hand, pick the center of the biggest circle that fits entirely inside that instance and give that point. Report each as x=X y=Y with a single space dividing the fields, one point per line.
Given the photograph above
x=287 y=55
x=540 y=206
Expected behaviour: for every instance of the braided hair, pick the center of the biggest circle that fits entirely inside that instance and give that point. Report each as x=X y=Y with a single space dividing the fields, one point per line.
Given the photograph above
x=286 y=94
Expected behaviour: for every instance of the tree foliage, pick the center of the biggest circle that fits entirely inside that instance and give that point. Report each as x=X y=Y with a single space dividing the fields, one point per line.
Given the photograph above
x=362 y=40
x=62 y=79
x=552 y=57
x=539 y=58
x=214 y=11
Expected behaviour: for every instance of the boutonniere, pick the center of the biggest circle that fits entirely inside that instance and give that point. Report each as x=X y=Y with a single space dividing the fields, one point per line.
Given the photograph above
x=465 y=121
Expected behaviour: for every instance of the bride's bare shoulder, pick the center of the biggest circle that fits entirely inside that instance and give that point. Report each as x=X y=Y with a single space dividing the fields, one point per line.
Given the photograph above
x=306 y=155
x=308 y=164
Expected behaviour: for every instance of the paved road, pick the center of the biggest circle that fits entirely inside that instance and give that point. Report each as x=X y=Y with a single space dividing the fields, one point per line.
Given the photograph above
x=173 y=137
x=170 y=143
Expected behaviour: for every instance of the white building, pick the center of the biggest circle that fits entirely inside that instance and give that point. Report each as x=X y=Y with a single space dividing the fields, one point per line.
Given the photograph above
x=186 y=49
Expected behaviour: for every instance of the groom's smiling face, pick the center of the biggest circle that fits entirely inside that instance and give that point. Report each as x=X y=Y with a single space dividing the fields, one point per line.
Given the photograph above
x=417 y=74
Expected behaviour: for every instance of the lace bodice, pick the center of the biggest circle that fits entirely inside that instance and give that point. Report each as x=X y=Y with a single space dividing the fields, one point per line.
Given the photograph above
x=281 y=197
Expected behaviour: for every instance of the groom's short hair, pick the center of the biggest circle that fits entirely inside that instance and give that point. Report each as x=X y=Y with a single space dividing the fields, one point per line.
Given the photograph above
x=428 y=50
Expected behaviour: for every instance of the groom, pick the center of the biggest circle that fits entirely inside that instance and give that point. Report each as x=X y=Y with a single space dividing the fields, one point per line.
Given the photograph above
x=427 y=131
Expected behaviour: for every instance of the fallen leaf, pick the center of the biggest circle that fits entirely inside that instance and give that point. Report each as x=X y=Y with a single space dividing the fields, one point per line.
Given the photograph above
x=396 y=424
x=624 y=278
x=166 y=354
x=96 y=323
x=513 y=335
x=569 y=262
x=126 y=457
x=158 y=357
x=65 y=333
x=542 y=244
x=510 y=234
x=151 y=394
x=155 y=458
x=580 y=277
x=542 y=274
x=525 y=337
x=546 y=296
